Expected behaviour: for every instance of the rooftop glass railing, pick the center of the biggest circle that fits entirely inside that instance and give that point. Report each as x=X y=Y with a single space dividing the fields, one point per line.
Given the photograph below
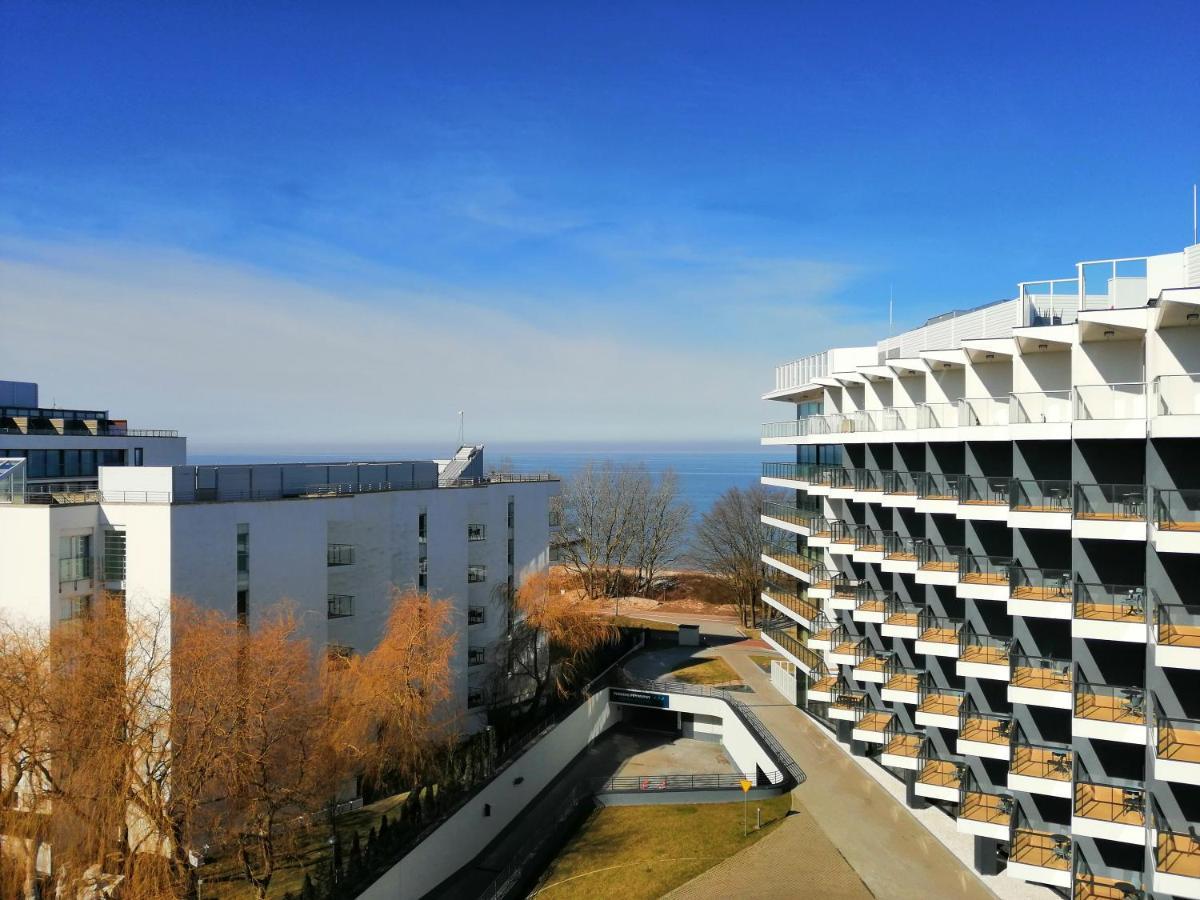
x=1122 y=705
x=1110 y=602
x=1177 y=510
x=1107 y=402
x=1039 y=673
x=1039 y=495
x=976 y=569
x=1040 y=407
x=1051 y=585
x=1114 y=283
x=936 y=486
x=976 y=411
x=1176 y=395
x=1110 y=502
x=983 y=490
x=1051 y=302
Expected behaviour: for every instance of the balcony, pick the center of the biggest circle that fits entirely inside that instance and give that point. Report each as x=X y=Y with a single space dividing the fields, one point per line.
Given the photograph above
x=1110 y=410
x=1177 y=749
x=1176 y=635
x=782 y=432
x=1111 y=612
x=849 y=651
x=1041 y=857
x=1109 y=511
x=1109 y=712
x=824 y=634
x=983 y=497
x=901 y=683
x=824 y=688
x=901 y=618
x=792 y=601
x=939 y=563
x=1040 y=681
x=787 y=475
x=938 y=635
x=982 y=655
x=901 y=749
x=842 y=538
x=1109 y=812
x=871 y=668
x=1040 y=503
x=843 y=592
x=870 y=727
x=788 y=561
x=937 y=493
x=339 y=555
x=983 y=577
x=834 y=481
x=938 y=706
x=868 y=485
x=1176 y=520
x=900 y=553
x=938 y=779
x=476 y=656
x=871 y=605
x=790 y=648
x=821 y=586
x=937 y=415
x=1040 y=593
x=1040 y=768
x=339 y=606
x=899 y=488
x=1044 y=414
x=984 y=734
x=1175 y=406
x=1101 y=887
x=983 y=412
x=1176 y=863
x=787 y=517
x=848 y=705
x=868 y=544
x=984 y=814
x=898 y=418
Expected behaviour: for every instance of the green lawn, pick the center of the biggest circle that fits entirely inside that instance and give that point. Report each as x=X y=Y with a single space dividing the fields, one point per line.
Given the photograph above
x=642 y=852
x=705 y=671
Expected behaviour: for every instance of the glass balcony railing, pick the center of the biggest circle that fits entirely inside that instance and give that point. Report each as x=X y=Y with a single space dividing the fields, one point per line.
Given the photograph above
x=898 y=418
x=1040 y=673
x=1040 y=759
x=1110 y=502
x=1177 y=510
x=868 y=540
x=788 y=471
x=940 y=771
x=936 y=486
x=1122 y=705
x=1110 y=401
x=1051 y=302
x=870 y=600
x=901 y=483
x=785 y=429
x=1046 y=495
x=992 y=570
x=1050 y=585
x=937 y=700
x=1178 y=739
x=1109 y=803
x=787 y=512
x=983 y=649
x=842 y=532
x=938 y=629
x=979 y=805
x=868 y=480
x=1110 y=602
x=898 y=742
x=983 y=727
x=975 y=411
x=1177 y=395
x=1043 y=849
x=899 y=677
x=1040 y=407
x=937 y=415
x=1114 y=283
x=865 y=419
x=940 y=557
x=983 y=490
x=900 y=547
x=850 y=701
x=1176 y=624
x=789 y=557
x=833 y=477
x=792 y=645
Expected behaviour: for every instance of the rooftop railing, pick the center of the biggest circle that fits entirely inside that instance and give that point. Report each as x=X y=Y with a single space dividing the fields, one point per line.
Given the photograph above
x=1051 y=302
x=1113 y=283
x=1110 y=502
x=1110 y=602
x=1040 y=407
x=1039 y=495
x=1107 y=402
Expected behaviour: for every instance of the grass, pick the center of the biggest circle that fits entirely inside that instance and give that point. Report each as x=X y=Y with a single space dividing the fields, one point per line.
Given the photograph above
x=763 y=662
x=642 y=852
x=705 y=671
x=223 y=879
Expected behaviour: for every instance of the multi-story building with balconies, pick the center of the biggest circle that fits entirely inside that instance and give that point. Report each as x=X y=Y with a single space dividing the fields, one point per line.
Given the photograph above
x=987 y=575
x=91 y=509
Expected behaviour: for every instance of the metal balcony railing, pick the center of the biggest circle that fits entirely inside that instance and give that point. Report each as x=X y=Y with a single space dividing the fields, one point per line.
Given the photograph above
x=1039 y=495
x=1118 y=704
x=788 y=512
x=810 y=658
x=1040 y=407
x=976 y=411
x=339 y=555
x=938 y=629
x=901 y=547
x=868 y=480
x=1110 y=401
x=983 y=490
x=899 y=742
x=1177 y=510
x=869 y=600
x=937 y=486
x=983 y=649
x=938 y=700
x=899 y=677
x=900 y=482
x=793 y=597
x=789 y=557
x=339 y=606
x=1040 y=673
x=903 y=613
x=1040 y=759
x=842 y=532
x=939 y=771
x=1110 y=502
x=1176 y=624
x=940 y=557
x=984 y=727
x=1110 y=803
x=868 y=539
x=1051 y=585
x=850 y=700
x=993 y=570
x=788 y=471
x=1111 y=602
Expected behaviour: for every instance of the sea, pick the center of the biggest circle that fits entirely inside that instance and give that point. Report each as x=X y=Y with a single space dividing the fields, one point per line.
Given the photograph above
x=703 y=473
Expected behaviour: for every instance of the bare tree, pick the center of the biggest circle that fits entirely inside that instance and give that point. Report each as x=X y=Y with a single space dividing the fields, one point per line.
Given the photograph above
x=728 y=544
x=659 y=521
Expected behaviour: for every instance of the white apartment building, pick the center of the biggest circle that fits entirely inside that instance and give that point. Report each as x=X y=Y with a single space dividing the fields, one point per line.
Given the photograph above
x=331 y=539
x=985 y=577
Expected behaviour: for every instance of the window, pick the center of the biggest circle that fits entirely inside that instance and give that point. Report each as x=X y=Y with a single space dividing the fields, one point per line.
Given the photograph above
x=476 y=574
x=512 y=509
x=340 y=555
x=422 y=574
x=510 y=551
x=77 y=607
x=475 y=615
x=243 y=606
x=555 y=516
x=476 y=656
x=137 y=456
x=476 y=532
x=74 y=558
x=114 y=555
x=243 y=549
x=340 y=606
x=423 y=528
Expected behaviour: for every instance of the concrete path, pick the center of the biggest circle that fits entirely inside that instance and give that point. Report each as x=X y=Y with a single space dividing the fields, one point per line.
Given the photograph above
x=893 y=853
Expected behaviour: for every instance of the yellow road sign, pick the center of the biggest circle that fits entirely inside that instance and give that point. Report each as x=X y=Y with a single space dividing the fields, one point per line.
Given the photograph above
x=746 y=785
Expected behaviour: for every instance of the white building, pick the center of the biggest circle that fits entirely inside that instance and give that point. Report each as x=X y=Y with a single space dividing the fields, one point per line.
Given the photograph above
x=332 y=539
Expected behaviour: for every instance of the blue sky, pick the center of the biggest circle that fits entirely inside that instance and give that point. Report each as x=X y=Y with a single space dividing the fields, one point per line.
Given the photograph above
x=579 y=221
